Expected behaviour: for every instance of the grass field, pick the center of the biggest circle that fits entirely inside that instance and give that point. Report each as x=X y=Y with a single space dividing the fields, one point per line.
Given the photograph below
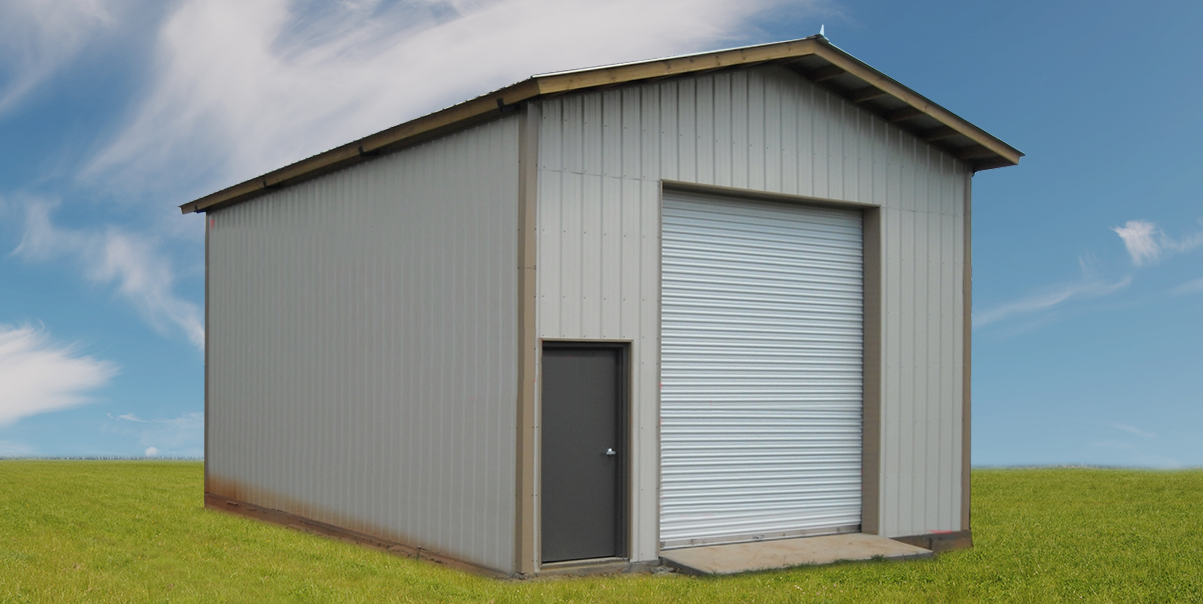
x=136 y=532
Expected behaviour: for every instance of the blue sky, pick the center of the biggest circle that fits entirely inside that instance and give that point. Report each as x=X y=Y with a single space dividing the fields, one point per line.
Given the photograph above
x=1088 y=257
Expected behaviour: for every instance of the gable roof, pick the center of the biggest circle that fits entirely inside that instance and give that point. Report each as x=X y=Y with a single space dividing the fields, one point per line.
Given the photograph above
x=814 y=58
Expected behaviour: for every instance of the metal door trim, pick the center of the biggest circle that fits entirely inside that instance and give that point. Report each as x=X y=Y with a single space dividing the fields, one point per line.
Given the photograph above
x=623 y=410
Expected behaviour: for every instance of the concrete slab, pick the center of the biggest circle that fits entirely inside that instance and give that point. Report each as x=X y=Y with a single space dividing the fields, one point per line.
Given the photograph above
x=784 y=553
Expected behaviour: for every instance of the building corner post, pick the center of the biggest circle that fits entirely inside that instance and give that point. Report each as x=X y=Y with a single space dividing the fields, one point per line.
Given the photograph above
x=967 y=354
x=526 y=516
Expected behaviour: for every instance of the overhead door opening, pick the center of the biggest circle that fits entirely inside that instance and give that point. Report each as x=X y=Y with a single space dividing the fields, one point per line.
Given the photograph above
x=762 y=335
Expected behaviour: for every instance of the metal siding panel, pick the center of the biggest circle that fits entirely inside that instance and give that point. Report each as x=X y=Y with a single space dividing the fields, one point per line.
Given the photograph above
x=612 y=147
x=570 y=256
x=592 y=134
x=852 y=118
x=906 y=364
x=762 y=389
x=632 y=133
x=881 y=164
x=741 y=131
x=668 y=140
x=549 y=253
x=592 y=259
x=610 y=293
x=892 y=354
x=572 y=110
x=807 y=145
x=362 y=330
x=551 y=135
x=935 y=394
x=687 y=129
x=768 y=132
x=757 y=161
x=630 y=259
x=820 y=140
x=836 y=129
x=789 y=91
x=704 y=148
x=921 y=401
x=724 y=113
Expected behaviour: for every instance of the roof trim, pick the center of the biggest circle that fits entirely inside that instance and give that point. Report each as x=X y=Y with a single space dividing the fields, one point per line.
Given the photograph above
x=835 y=70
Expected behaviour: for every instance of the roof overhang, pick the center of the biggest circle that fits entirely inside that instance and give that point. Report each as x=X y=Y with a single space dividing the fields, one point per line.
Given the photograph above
x=815 y=58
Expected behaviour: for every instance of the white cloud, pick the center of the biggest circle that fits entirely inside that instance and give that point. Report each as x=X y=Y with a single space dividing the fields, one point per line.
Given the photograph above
x=1090 y=285
x=131 y=263
x=245 y=87
x=37 y=37
x=1147 y=244
x=37 y=376
x=1138 y=238
x=184 y=435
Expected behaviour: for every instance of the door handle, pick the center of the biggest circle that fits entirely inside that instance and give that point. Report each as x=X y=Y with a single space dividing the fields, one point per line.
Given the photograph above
x=611 y=452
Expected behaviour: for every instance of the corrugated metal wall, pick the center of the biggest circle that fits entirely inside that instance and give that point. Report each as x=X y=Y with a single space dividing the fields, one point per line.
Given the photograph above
x=362 y=341
x=602 y=156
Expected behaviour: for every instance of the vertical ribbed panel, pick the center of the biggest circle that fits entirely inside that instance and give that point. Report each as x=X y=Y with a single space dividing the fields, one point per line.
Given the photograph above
x=762 y=386
x=362 y=342
x=764 y=129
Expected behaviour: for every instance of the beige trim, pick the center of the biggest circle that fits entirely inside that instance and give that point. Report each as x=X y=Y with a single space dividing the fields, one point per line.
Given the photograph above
x=967 y=352
x=526 y=555
x=984 y=152
x=208 y=221
x=737 y=193
x=871 y=422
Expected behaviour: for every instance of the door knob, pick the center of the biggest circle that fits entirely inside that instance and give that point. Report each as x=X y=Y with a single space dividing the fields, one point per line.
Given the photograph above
x=611 y=452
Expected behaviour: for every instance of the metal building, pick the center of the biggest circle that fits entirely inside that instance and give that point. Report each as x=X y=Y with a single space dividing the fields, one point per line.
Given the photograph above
x=600 y=316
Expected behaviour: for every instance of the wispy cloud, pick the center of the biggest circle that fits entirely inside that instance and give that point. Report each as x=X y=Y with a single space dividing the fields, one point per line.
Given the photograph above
x=1194 y=285
x=38 y=376
x=1147 y=244
x=38 y=36
x=182 y=435
x=245 y=87
x=1089 y=286
x=1134 y=430
x=134 y=265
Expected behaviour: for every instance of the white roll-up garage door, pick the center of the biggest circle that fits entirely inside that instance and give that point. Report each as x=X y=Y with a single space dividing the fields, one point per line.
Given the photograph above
x=761 y=351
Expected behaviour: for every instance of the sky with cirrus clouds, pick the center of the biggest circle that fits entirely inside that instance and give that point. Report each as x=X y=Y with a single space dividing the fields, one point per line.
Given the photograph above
x=1088 y=283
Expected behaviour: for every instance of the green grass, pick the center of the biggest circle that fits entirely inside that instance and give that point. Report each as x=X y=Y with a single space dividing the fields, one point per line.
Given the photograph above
x=136 y=532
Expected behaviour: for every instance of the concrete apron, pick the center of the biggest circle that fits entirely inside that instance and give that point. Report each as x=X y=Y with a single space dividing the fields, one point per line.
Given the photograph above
x=784 y=553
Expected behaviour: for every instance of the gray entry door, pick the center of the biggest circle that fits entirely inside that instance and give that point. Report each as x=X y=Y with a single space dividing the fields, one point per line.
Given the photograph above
x=582 y=453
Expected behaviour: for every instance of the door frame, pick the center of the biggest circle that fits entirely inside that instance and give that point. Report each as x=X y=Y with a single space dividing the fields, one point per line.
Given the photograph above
x=623 y=419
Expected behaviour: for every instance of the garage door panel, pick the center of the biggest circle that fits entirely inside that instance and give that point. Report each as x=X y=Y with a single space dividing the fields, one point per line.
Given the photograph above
x=762 y=347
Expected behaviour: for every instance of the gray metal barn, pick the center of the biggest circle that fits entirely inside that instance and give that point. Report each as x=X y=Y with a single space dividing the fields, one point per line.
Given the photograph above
x=600 y=316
